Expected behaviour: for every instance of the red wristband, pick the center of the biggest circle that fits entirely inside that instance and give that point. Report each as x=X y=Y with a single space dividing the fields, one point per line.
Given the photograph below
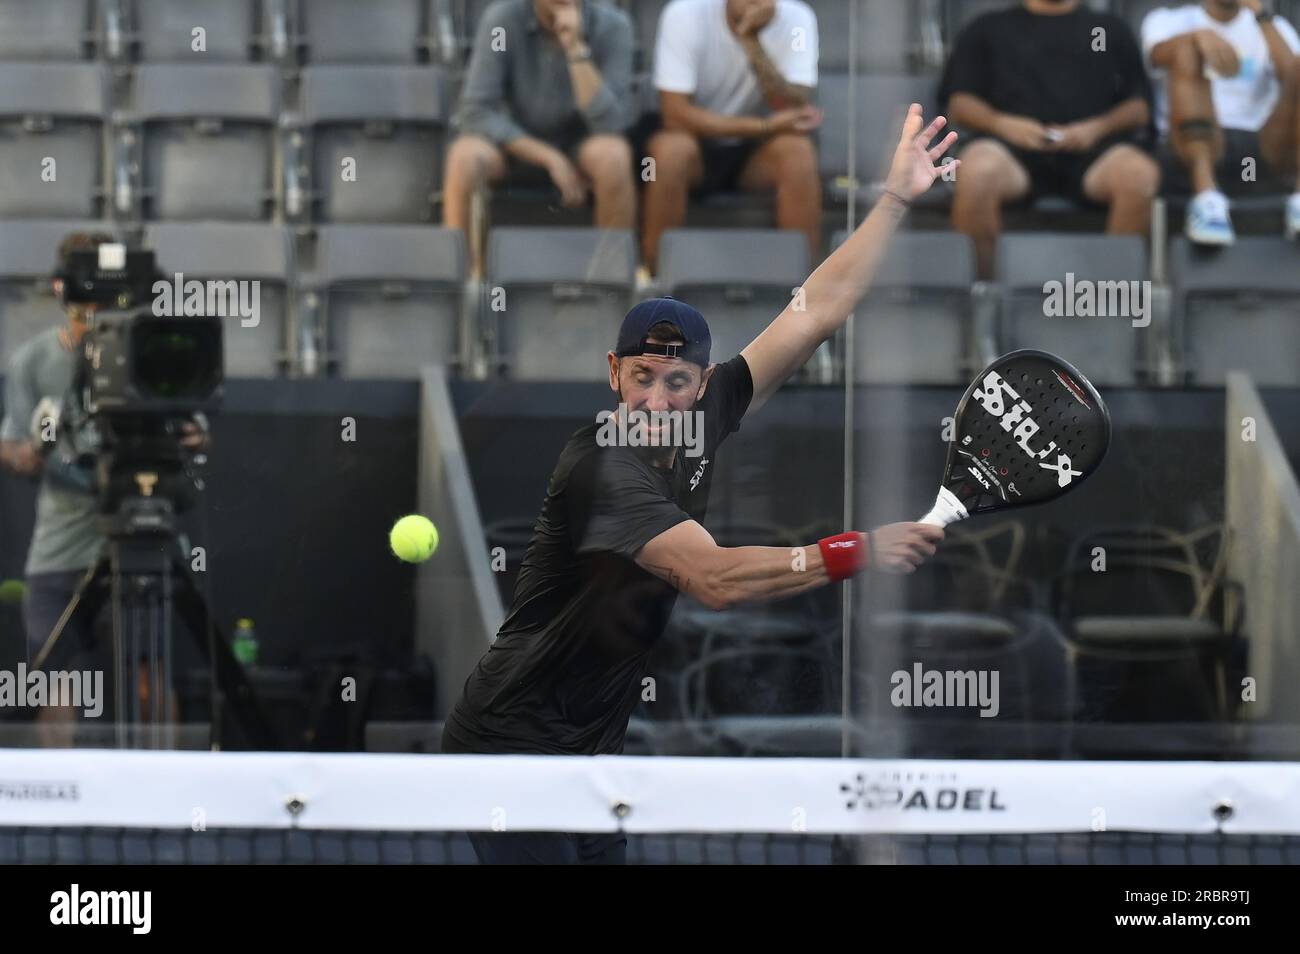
x=845 y=554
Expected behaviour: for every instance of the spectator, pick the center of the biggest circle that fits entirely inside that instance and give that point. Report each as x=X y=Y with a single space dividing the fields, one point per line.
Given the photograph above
x=1055 y=100
x=547 y=87
x=1226 y=92
x=735 y=81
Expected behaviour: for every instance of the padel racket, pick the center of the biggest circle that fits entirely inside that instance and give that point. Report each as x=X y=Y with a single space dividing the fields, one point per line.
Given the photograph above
x=1029 y=429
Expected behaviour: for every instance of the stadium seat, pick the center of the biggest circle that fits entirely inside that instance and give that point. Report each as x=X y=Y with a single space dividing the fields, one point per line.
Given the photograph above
x=206 y=136
x=1108 y=350
x=1026 y=652
x=1238 y=309
x=229 y=251
x=872 y=124
x=387 y=121
x=377 y=31
x=51 y=139
x=1148 y=635
x=556 y=298
x=740 y=279
x=28 y=257
x=887 y=35
x=390 y=297
x=915 y=325
x=234 y=31
x=972 y=607
x=47 y=29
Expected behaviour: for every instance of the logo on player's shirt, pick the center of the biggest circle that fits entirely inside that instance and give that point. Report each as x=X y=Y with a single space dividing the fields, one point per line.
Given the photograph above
x=699 y=473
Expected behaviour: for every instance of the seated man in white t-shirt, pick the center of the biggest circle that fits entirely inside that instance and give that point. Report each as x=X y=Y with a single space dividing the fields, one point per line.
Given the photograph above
x=1225 y=75
x=735 y=81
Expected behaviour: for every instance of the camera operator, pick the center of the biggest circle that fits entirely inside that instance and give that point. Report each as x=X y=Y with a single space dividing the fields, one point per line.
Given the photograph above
x=67 y=539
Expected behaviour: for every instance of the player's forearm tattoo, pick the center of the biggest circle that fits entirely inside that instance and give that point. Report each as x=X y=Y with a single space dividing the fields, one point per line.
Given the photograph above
x=777 y=91
x=678 y=581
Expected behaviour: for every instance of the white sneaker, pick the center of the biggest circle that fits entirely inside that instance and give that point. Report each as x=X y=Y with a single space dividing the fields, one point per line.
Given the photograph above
x=1207 y=219
x=644 y=280
x=1293 y=217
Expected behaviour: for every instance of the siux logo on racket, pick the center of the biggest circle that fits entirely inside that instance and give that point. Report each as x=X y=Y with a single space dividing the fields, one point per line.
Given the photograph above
x=992 y=397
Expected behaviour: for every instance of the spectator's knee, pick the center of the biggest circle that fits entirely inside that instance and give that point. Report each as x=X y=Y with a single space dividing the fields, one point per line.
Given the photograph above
x=983 y=164
x=607 y=160
x=1140 y=176
x=470 y=159
x=673 y=152
x=796 y=158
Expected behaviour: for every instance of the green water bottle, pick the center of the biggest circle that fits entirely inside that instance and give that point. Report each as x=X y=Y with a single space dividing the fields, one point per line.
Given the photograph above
x=244 y=645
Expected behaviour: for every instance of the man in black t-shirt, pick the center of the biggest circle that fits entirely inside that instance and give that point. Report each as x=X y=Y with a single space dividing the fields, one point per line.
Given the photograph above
x=620 y=532
x=1058 y=103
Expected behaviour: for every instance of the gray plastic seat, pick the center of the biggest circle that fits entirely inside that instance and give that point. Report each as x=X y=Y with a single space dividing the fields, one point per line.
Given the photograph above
x=47 y=29
x=230 y=251
x=914 y=325
x=28 y=257
x=207 y=140
x=564 y=292
x=233 y=30
x=376 y=31
x=391 y=120
x=877 y=115
x=1238 y=308
x=1109 y=350
x=740 y=279
x=887 y=34
x=52 y=111
x=391 y=297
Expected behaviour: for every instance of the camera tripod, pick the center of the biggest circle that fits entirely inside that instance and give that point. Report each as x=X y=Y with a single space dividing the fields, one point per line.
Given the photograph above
x=140 y=573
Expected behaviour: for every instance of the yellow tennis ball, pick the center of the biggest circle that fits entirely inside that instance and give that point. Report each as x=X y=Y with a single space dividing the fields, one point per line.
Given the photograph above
x=413 y=538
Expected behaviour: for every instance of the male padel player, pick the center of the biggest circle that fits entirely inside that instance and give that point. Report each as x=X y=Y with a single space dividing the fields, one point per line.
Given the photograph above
x=620 y=532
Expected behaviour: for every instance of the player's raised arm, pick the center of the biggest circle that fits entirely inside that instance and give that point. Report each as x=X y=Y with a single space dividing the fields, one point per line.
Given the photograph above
x=834 y=289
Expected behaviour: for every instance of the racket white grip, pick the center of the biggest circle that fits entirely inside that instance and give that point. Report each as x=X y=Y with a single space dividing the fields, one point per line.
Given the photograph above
x=947 y=509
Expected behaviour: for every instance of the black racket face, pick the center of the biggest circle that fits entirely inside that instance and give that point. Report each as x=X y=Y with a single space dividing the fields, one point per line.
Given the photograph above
x=1029 y=429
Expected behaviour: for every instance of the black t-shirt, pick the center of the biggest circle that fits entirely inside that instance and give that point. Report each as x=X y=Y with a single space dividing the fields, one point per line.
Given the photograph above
x=1047 y=67
x=564 y=673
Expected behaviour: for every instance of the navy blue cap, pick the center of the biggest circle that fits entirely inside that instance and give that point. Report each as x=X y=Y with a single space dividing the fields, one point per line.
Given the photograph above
x=696 y=340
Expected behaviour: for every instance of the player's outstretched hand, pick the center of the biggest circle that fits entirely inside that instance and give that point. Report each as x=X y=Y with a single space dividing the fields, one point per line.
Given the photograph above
x=913 y=170
x=902 y=547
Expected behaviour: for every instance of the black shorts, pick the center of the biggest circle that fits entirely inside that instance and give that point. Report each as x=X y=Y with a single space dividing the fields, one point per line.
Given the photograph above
x=723 y=164
x=525 y=175
x=1059 y=173
x=1230 y=171
x=723 y=161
